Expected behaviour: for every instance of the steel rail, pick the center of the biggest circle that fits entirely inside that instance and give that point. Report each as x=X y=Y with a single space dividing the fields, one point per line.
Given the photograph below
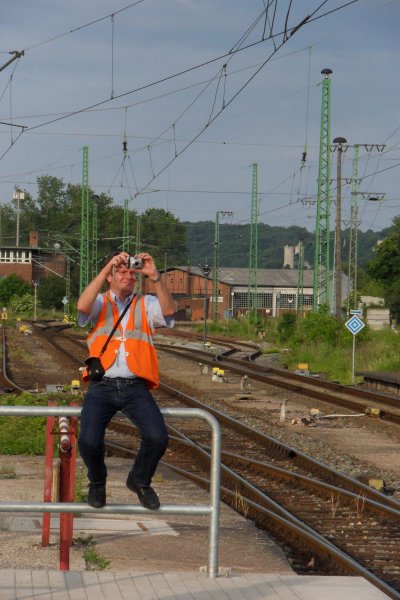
x=302 y=385
x=266 y=506
x=286 y=450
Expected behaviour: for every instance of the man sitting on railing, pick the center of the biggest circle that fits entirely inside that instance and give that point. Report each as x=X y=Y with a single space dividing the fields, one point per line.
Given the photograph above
x=130 y=371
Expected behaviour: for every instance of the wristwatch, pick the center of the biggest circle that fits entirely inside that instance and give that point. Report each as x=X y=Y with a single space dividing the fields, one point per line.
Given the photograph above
x=157 y=279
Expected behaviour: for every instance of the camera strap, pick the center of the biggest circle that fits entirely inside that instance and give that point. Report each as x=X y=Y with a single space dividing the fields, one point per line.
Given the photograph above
x=115 y=327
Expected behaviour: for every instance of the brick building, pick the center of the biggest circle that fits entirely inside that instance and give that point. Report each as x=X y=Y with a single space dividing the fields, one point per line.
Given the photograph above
x=31 y=263
x=276 y=291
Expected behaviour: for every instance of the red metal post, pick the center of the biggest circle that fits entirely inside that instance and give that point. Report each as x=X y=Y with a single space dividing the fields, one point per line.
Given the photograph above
x=48 y=476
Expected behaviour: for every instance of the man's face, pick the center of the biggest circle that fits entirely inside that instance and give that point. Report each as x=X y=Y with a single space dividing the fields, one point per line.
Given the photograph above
x=122 y=280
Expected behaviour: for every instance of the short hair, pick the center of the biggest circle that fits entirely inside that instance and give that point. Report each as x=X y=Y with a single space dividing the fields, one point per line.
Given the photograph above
x=110 y=256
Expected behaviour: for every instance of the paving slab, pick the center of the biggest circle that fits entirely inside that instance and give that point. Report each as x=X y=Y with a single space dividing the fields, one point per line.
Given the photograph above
x=156 y=585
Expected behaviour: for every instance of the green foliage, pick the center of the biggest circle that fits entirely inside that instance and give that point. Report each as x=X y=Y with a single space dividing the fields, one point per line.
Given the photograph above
x=94 y=560
x=318 y=327
x=22 y=304
x=287 y=326
x=163 y=236
x=51 y=291
x=234 y=328
x=385 y=268
x=12 y=285
x=392 y=299
x=25 y=435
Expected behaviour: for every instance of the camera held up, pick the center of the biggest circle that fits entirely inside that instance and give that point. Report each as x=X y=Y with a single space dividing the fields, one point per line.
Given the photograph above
x=134 y=262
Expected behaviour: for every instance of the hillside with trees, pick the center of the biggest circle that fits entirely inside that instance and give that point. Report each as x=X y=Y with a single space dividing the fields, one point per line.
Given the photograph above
x=235 y=241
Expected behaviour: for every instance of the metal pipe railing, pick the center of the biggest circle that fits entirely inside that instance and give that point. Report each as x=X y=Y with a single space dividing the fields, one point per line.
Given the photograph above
x=211 y=509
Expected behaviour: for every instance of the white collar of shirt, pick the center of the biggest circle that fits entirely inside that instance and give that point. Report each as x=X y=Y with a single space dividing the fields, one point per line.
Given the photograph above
x=118 y=301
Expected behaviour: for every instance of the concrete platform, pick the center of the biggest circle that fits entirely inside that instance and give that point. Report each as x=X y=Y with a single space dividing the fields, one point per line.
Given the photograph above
x=106 y=585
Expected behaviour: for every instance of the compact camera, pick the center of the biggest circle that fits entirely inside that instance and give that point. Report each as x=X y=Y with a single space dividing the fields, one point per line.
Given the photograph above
x=134 y=262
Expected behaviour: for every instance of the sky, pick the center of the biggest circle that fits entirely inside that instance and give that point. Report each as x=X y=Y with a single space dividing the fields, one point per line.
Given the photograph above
x=200 y=91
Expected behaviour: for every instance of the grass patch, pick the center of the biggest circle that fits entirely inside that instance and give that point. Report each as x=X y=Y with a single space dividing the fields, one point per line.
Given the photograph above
x=7 y=472
x=80 y=491
x=319 y=340
x=94 y=561
x=26 y=435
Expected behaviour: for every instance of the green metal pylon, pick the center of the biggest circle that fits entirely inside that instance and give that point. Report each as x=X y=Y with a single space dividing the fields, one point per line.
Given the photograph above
x=125 y=232
x=84 y=253
x=300 y=280
x=67 y=287
x=322 y=224
x=253 y=251
x=137 y=250
x=94 y=256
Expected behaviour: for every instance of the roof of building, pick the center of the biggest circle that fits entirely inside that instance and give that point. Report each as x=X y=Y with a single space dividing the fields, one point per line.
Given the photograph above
x=265 y=277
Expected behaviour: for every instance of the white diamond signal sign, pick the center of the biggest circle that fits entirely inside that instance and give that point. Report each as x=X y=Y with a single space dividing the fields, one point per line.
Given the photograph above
x=354 y=325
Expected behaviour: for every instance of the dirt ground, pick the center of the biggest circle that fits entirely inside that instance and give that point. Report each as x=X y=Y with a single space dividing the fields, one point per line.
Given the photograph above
x=130 y=542
x=173 y=543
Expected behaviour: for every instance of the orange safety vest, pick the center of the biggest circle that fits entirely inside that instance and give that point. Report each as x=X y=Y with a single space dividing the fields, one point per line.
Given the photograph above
x=141 y=356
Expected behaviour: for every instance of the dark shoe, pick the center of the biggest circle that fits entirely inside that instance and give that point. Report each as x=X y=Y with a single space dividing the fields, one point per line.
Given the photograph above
x=147 y=496
x=97 y=495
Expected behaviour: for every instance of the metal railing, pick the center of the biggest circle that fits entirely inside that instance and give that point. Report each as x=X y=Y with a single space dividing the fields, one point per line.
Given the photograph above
x=211 y=509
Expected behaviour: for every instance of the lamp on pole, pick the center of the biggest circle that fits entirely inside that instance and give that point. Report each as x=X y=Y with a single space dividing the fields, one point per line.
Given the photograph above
x=224 y=213
x=206 y=270
x=17 y=196
x=35 y=285
x=338 y=293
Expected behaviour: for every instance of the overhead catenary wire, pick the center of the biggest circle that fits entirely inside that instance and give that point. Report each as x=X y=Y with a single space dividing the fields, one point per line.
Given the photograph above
x=133 y=5
x=175 y=139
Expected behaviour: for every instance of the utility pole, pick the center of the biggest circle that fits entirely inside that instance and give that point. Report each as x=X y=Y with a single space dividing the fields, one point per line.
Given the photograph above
x=322 y=224
x=354 y=222
x=35 y=284
x=206 y=270
x=253 y=251
x=224 y=213
x=84 y=253
x=300 y=280
x=338 y=240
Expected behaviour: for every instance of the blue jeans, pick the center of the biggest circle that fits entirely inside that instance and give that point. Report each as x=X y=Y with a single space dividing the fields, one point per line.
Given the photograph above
x=131 y=396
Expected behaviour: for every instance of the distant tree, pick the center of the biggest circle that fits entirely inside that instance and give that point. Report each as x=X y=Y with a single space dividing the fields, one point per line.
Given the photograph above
x=51 y=292
x=385 y=267
x=12 y=285
x=163 y=236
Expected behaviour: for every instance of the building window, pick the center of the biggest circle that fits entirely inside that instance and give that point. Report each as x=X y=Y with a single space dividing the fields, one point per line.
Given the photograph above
x=287 y=301
x=15 y=256
x=308 y=300
x=264 y=300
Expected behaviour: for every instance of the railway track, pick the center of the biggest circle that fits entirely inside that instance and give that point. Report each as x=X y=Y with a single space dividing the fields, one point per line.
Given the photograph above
x=325 y=391
x=261 y=476
x=326 y=521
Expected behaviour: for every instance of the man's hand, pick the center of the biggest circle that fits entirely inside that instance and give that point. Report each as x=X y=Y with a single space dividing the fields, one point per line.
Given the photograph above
x=149 y=266
x=120 y=260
